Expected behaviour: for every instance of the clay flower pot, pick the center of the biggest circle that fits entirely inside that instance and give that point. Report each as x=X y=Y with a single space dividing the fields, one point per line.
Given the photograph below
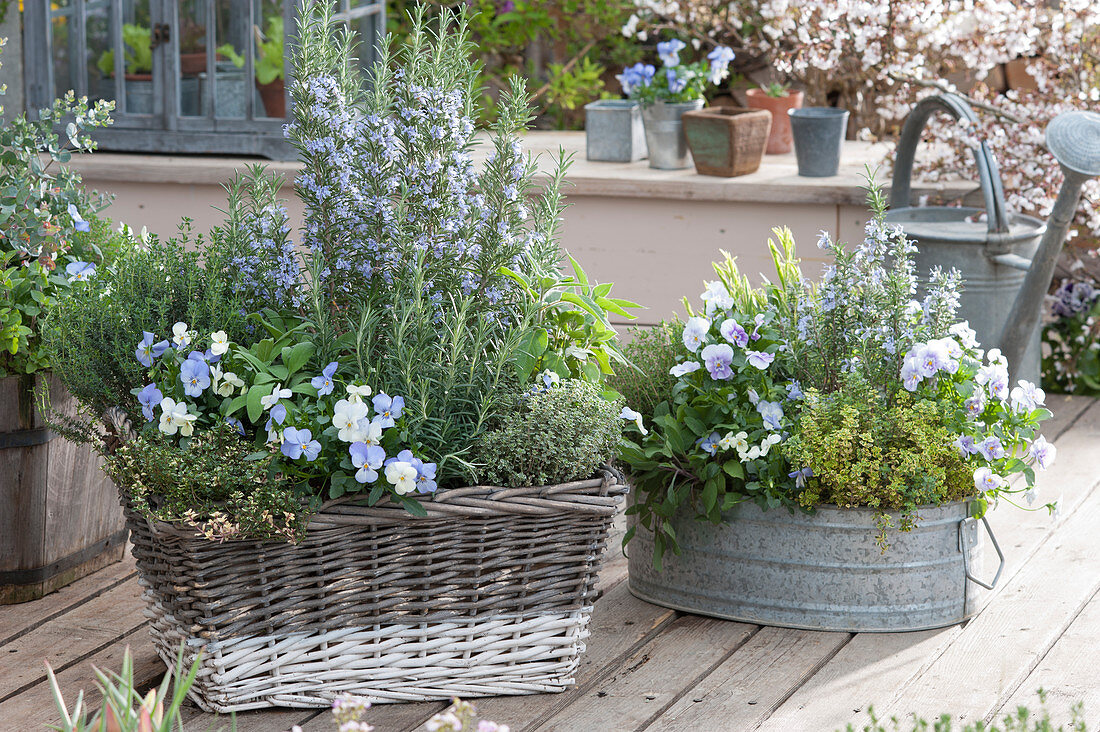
x=727 y=141
x=780 y=140
x=273 y=98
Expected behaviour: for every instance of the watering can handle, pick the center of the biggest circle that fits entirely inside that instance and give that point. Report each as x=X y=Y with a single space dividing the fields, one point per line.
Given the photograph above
x=988 y=174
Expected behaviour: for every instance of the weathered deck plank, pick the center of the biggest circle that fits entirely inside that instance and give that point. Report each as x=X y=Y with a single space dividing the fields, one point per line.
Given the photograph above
x=34 y=708
x=745 y=690
x=1069 y=672
x=16 y=620
x=1022 y=623
x=654 y=677
x=76 y=635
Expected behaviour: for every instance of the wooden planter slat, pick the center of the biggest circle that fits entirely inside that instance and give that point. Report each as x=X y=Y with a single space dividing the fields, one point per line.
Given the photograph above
x=60 y=517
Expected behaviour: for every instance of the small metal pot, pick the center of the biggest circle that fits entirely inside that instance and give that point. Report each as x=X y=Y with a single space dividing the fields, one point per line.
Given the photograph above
x=613 y=131
x=818 y=136
x=664 y=134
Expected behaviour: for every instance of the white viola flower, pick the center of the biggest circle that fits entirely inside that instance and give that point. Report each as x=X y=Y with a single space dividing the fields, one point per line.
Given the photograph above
x=994 y=357
x=174 y=417
x=1030 y=495
x=716 y=297
x=683 y=369
x=219 y=342
x=357 y=393
x=629 y=414
x=181 y=337
x=276 y=394
x=347 y=417
x=695 y=333
x=911 y=373
x=371 y=433
x=402 y=476
x=1027 y=397
x=986 y=480
x=1042 y=452
x=965 y=334
x=229 y=382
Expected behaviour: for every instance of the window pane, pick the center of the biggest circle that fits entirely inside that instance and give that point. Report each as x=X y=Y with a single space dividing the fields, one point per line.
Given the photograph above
x=100 y=59
x=192 y=60
x=268 y=60
x=137 y=54
x=61 y=12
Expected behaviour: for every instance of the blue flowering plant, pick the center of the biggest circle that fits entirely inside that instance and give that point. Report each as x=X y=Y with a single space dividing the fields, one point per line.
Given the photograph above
x=1071 y=339
x=367 y=356
x=846 y=392
x=51 y=239
x=676 y=80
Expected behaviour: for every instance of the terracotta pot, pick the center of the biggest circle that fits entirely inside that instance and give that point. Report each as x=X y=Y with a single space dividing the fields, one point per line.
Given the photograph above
x=274 y=98
x=780 y=140
x=727 y=141
x=192 y=64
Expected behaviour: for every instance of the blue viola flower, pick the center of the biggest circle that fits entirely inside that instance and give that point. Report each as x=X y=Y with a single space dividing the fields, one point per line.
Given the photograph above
x=425 y=477
x=80 y=271
x=149 y=397
x=800 y=476
x=278 y=416
x=323 y=383
x=709 y=444
x=368 y=458
x=720 y=59
x=299 y=442
x=78 y=221
x=669 y=51
x=195 y=376
x=147 y=350
x=676 y=82
x=235 y=424
x=387 y=409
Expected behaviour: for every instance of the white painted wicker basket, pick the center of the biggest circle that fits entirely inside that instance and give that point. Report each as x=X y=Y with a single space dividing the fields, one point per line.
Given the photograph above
x=490 y=594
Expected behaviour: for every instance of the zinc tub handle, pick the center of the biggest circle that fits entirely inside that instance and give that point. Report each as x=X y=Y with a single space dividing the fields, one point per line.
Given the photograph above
x=964 y=547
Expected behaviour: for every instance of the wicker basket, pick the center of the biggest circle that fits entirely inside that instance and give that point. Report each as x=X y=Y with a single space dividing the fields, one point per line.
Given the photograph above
x=490 y=594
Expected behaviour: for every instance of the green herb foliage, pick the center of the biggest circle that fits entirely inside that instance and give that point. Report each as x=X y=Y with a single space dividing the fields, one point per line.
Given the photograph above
x=893 y=459
x=1022 y=719
x=652 y=351
x=92 y=335
x=551 y=434
x=215 y=485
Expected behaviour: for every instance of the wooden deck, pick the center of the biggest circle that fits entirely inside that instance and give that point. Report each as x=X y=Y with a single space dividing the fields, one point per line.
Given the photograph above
x=655 y=669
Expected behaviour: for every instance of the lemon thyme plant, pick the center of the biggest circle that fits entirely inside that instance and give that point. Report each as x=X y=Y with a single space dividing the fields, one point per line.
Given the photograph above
x=368 y=354
x=847 y=392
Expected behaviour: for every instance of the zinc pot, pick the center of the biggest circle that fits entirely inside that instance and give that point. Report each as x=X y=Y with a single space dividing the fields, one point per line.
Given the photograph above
x=820 y=571
x=60 y=517
x=727 y=141
x=613 y=131
x=664 y=133
x=818 y=134
x=779 y=140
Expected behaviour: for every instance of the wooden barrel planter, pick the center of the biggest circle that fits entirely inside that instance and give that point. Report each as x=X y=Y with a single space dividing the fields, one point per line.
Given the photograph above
x=60 y=517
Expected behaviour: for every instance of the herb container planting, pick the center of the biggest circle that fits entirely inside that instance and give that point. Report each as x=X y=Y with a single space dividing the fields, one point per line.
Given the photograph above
x=372 y=461
x=820 y=456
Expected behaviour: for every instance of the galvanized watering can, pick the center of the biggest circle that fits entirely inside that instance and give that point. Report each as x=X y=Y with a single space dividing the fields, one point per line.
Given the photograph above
x=1007 y=261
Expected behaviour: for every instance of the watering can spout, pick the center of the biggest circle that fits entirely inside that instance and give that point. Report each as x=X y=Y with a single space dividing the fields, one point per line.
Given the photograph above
x=1074 y=140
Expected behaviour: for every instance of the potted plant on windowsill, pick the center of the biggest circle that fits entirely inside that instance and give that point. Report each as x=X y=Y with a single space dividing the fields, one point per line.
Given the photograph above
x=58 y=516
x=138 y=69
x=806 y=427
x=666 y=95
x=315 y=420
x=269 y=67
x=778 y=99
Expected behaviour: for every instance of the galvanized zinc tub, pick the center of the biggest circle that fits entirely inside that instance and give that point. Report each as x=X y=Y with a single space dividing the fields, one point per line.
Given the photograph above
x=819 y=572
